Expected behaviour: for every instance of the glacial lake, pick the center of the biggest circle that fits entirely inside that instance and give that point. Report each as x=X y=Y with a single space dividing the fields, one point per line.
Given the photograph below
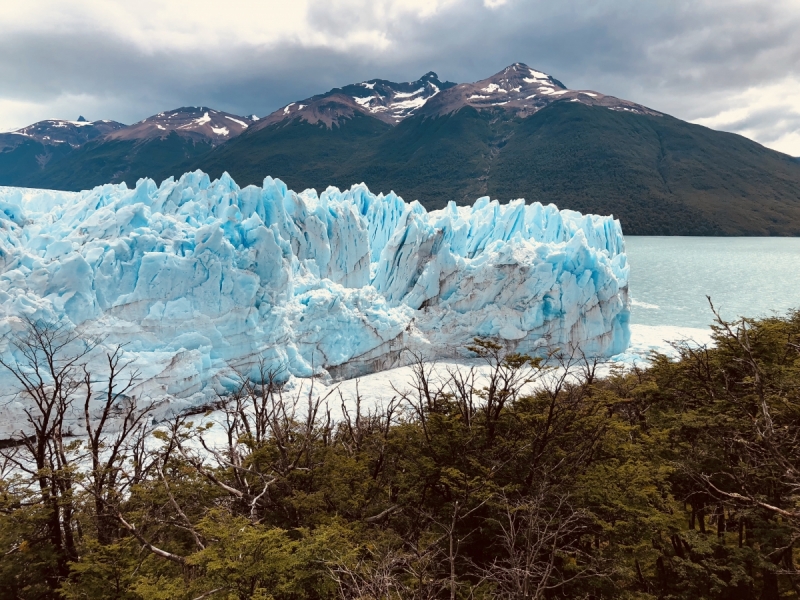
x=671 y=276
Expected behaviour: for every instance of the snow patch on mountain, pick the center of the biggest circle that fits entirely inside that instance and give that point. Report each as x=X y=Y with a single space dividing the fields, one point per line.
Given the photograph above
x=242 y=123
x=203 y=120
x=409 y=94
x=364 y=101
x=405 y=105
x=202 y=280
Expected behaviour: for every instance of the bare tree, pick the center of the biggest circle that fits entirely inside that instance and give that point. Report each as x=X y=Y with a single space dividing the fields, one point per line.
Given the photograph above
x=115 y=428
x=538 y=535
x=375 y=574
x=49 y=361
x=46 y=360
x=256 y=413
x=63 y=456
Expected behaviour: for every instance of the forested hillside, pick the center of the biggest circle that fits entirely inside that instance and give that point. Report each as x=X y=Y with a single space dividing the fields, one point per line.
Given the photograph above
x=659 y=175
x=115 y=161
x=679 y=481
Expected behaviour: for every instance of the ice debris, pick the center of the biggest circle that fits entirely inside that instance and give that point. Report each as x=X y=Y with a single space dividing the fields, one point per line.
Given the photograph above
x=202 y=279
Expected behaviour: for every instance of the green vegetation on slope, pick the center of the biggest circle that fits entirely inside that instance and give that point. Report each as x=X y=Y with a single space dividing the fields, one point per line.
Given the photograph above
x=658 y=175
x=676 y=482
x=301 y=154
x=433 y=160
x=114 y=161
x=30 y=157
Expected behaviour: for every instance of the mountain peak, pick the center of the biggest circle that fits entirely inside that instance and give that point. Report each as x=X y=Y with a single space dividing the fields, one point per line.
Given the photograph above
x=381 y=99
x=518 y=88
x=56 y=132
x=197 y=122
x=82 y=119
x=522 y=90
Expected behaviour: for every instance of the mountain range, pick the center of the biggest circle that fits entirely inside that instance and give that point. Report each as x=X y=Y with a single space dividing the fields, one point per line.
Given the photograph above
x=519 y=133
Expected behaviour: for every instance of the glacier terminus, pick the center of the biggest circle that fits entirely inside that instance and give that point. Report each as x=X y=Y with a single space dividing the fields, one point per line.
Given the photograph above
x=203 y=281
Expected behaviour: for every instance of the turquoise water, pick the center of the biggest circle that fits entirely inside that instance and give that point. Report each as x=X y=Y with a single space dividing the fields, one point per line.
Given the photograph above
x=671 y=276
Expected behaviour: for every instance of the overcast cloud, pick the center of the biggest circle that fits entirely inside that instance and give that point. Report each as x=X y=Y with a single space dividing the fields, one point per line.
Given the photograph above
x=732 y=65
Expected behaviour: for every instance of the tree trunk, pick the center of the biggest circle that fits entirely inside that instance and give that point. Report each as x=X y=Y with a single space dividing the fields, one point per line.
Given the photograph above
x=701 y=519
x=741 y=531
x=770 y=589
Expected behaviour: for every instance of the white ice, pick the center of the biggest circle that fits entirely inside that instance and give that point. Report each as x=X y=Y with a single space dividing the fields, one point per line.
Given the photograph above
x=202 y=279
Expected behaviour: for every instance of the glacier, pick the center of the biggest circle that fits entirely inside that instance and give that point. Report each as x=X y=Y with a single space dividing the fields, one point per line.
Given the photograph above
x=204 y=281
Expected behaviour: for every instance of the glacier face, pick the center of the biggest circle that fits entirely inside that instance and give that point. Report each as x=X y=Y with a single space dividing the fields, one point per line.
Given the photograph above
x=200 y=279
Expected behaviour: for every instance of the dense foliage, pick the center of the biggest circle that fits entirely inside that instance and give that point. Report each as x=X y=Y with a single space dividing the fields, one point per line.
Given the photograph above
x=536 y=481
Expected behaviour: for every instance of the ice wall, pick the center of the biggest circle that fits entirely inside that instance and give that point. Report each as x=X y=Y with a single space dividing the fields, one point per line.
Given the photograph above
x=199 y=278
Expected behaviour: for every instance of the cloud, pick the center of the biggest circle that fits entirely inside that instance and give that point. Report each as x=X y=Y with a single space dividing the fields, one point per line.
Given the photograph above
x=769 y=113
x=732 y=64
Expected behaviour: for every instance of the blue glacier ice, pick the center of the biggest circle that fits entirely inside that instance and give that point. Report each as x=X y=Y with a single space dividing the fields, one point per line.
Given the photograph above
x=202 y=279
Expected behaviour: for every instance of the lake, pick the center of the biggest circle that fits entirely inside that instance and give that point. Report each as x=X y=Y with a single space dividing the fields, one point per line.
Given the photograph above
x=671 y=276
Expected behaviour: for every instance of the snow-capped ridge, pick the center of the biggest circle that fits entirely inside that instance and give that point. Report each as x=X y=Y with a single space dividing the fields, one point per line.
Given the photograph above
x=384 y=100
x=525 y=91
x=59 y=131
x=521 y=90
x=198 y=123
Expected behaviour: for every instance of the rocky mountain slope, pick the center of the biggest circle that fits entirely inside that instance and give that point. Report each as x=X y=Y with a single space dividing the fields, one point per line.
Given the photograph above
x=384 y=100
x=522 y=133
x=198 y=123
x=518 y=89
x=522 y=91
x=28 y=151
x=121 y=153
x=52 y=132
x=519 y=133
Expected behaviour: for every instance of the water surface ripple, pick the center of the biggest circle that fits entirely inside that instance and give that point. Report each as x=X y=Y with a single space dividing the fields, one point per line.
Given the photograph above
x=745 y=276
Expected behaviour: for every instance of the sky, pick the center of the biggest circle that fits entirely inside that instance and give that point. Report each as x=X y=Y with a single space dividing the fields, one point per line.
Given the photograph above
x=732 y=65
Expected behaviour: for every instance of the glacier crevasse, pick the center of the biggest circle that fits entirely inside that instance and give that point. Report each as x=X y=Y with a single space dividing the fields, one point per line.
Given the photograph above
x=201 y=278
